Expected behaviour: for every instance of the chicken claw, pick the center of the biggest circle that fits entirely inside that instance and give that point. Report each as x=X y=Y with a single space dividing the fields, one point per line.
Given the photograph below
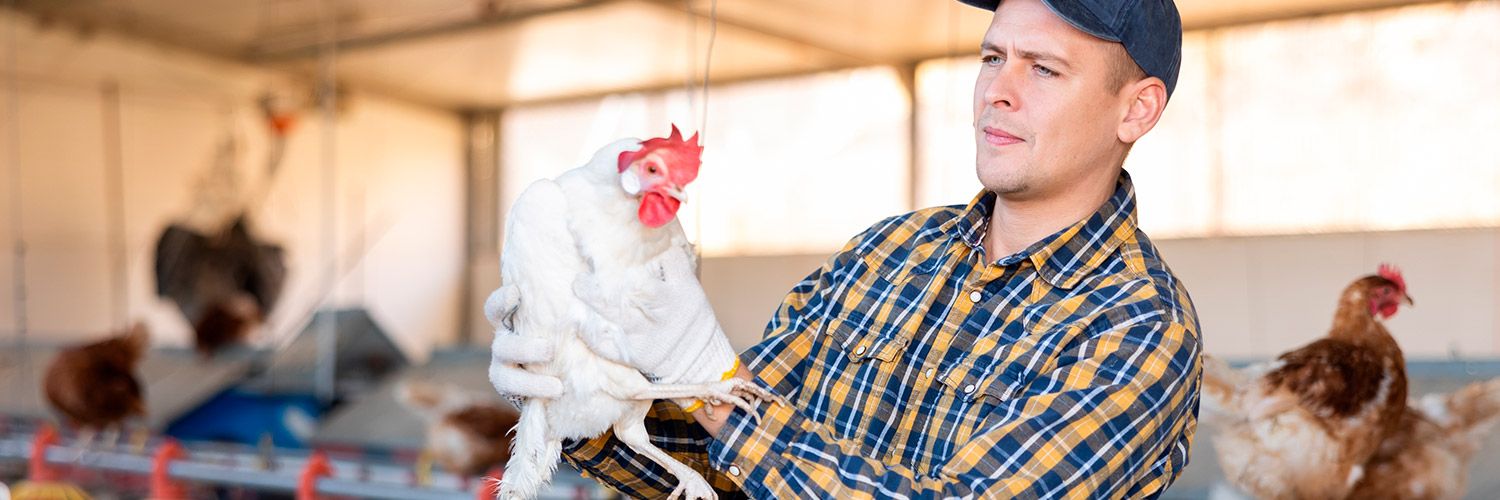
x=743 y=393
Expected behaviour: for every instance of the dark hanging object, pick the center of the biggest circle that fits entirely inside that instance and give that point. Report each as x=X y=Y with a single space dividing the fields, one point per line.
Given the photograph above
x=225 y=284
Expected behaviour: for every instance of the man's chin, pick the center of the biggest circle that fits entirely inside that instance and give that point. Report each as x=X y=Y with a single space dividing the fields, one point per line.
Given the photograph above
x=1007 y=187
x=1010 y=191
x=1002 y=179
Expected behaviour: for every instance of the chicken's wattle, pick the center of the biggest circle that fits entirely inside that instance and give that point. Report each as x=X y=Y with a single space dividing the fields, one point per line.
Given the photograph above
x=657 y=210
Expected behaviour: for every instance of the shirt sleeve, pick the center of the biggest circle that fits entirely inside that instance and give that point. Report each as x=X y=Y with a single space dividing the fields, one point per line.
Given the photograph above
x=606 y=459
x=610 y=462
x=1119 y=405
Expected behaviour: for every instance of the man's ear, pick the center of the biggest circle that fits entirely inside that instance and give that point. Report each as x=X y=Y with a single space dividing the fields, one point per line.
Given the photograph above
x=1147 y=98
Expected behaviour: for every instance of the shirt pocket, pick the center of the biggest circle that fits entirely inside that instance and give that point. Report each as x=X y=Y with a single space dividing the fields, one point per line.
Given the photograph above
x=861 y=342
x=997 y=380
x=862 y=330
x=1000 y=370
x=1006 y=370
x=879 y=309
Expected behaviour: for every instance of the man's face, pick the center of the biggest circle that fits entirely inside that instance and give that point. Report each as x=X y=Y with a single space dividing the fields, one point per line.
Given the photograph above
x=1045 y=112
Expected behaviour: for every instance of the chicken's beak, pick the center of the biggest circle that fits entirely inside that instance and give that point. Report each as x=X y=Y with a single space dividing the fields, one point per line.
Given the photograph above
x=676 y=191
x=1407 y=298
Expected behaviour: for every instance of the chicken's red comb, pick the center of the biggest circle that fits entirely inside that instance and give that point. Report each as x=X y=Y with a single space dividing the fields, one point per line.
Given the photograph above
x=682 y=157
x=1391 y=272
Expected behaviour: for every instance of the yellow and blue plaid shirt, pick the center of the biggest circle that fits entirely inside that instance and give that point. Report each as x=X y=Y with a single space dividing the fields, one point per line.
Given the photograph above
x=913 y=369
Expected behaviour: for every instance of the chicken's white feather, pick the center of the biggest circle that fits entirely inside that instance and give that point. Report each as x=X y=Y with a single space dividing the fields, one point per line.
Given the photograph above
x=583 y=222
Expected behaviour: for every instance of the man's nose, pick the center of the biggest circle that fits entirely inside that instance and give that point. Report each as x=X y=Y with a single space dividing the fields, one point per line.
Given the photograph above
x=1000 y=91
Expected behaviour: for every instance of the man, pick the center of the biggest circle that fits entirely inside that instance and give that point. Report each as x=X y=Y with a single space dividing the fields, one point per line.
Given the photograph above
x=1031 y=344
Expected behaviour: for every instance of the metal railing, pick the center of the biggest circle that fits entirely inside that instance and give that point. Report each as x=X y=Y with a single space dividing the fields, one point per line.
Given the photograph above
x=284 y=471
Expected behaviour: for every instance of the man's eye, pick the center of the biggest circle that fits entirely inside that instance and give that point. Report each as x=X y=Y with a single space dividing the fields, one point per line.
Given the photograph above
x=992 y=60
x=1045 y=71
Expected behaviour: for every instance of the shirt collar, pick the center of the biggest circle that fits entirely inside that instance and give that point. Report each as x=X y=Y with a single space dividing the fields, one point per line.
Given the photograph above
x=1067 y=256
x=971 y=224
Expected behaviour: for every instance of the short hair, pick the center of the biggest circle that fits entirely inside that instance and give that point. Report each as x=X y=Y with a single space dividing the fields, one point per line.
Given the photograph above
x=1123 y=69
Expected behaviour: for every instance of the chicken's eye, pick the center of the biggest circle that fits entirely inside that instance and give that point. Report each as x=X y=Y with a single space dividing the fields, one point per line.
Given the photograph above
x=651 y=168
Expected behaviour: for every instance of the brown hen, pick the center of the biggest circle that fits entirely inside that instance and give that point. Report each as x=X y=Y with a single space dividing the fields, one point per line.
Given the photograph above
x=1304 y=425
x=467 y=434
x=94 y=386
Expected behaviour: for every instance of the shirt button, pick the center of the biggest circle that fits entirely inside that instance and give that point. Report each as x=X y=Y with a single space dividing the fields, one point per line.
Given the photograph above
x=975 y=296
x=734 y=470
x=860 y=351
x=931 y=372
x=970 y=389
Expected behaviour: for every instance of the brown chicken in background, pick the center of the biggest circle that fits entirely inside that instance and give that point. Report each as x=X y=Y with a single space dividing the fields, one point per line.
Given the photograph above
x=225 y=283
x=1304 y=425
x=466 y=433
x=1428 y=455
x=94 y=386
x=224 y=323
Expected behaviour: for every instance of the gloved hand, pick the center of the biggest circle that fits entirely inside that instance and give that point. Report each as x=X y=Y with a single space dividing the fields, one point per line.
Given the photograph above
x=665 y=329
x=509 y=350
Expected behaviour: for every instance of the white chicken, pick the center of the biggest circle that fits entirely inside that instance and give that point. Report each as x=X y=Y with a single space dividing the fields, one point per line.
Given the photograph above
x=612 y=219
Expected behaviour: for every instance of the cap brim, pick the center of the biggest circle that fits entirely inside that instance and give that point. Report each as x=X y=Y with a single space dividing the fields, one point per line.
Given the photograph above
x=1074 y=14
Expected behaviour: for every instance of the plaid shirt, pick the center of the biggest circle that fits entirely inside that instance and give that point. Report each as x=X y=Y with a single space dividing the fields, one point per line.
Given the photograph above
x=914 y=369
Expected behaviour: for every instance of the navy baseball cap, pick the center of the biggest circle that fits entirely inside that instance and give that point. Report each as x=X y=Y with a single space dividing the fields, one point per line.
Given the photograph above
x=1150 y=30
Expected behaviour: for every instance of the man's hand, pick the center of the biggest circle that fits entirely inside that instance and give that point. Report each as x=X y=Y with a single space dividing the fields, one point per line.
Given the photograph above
x=665 y=328
x=509 y=350
x=712 y=415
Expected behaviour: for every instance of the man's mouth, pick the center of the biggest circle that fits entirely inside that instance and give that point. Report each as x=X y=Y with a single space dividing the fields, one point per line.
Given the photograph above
x=998 y=137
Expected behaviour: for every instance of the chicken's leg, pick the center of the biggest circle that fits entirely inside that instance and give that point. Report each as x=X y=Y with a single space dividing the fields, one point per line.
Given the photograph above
x=112 y=435
x=138 y=439
x=84 y=441
x=631 y=430
x=735 y=390
x=533 y=456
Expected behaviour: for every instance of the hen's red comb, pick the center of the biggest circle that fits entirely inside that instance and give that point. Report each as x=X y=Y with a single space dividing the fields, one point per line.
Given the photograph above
x=1391 y=272
x=682 y=157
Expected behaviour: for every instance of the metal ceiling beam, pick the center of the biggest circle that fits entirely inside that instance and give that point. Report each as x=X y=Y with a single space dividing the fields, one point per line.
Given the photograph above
x=1309 y=10
x=85 y=21
x=662 y=86
x=310 y=50
x=840 y=57
x=912 y=60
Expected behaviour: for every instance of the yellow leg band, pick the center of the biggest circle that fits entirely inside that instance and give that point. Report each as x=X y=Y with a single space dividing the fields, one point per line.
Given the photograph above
x=729 y=374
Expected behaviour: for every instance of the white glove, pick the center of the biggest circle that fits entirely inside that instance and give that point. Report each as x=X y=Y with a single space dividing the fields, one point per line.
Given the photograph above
x=509 y=350
x=665 y=329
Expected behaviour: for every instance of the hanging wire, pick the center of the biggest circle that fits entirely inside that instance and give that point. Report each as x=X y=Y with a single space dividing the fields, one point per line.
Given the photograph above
x=690 y=80
x=708 y=57
x=687 y=90
x=702 y=103
x=18 y=239
x=690 y=76
x=114 y=211
x=324 y=372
